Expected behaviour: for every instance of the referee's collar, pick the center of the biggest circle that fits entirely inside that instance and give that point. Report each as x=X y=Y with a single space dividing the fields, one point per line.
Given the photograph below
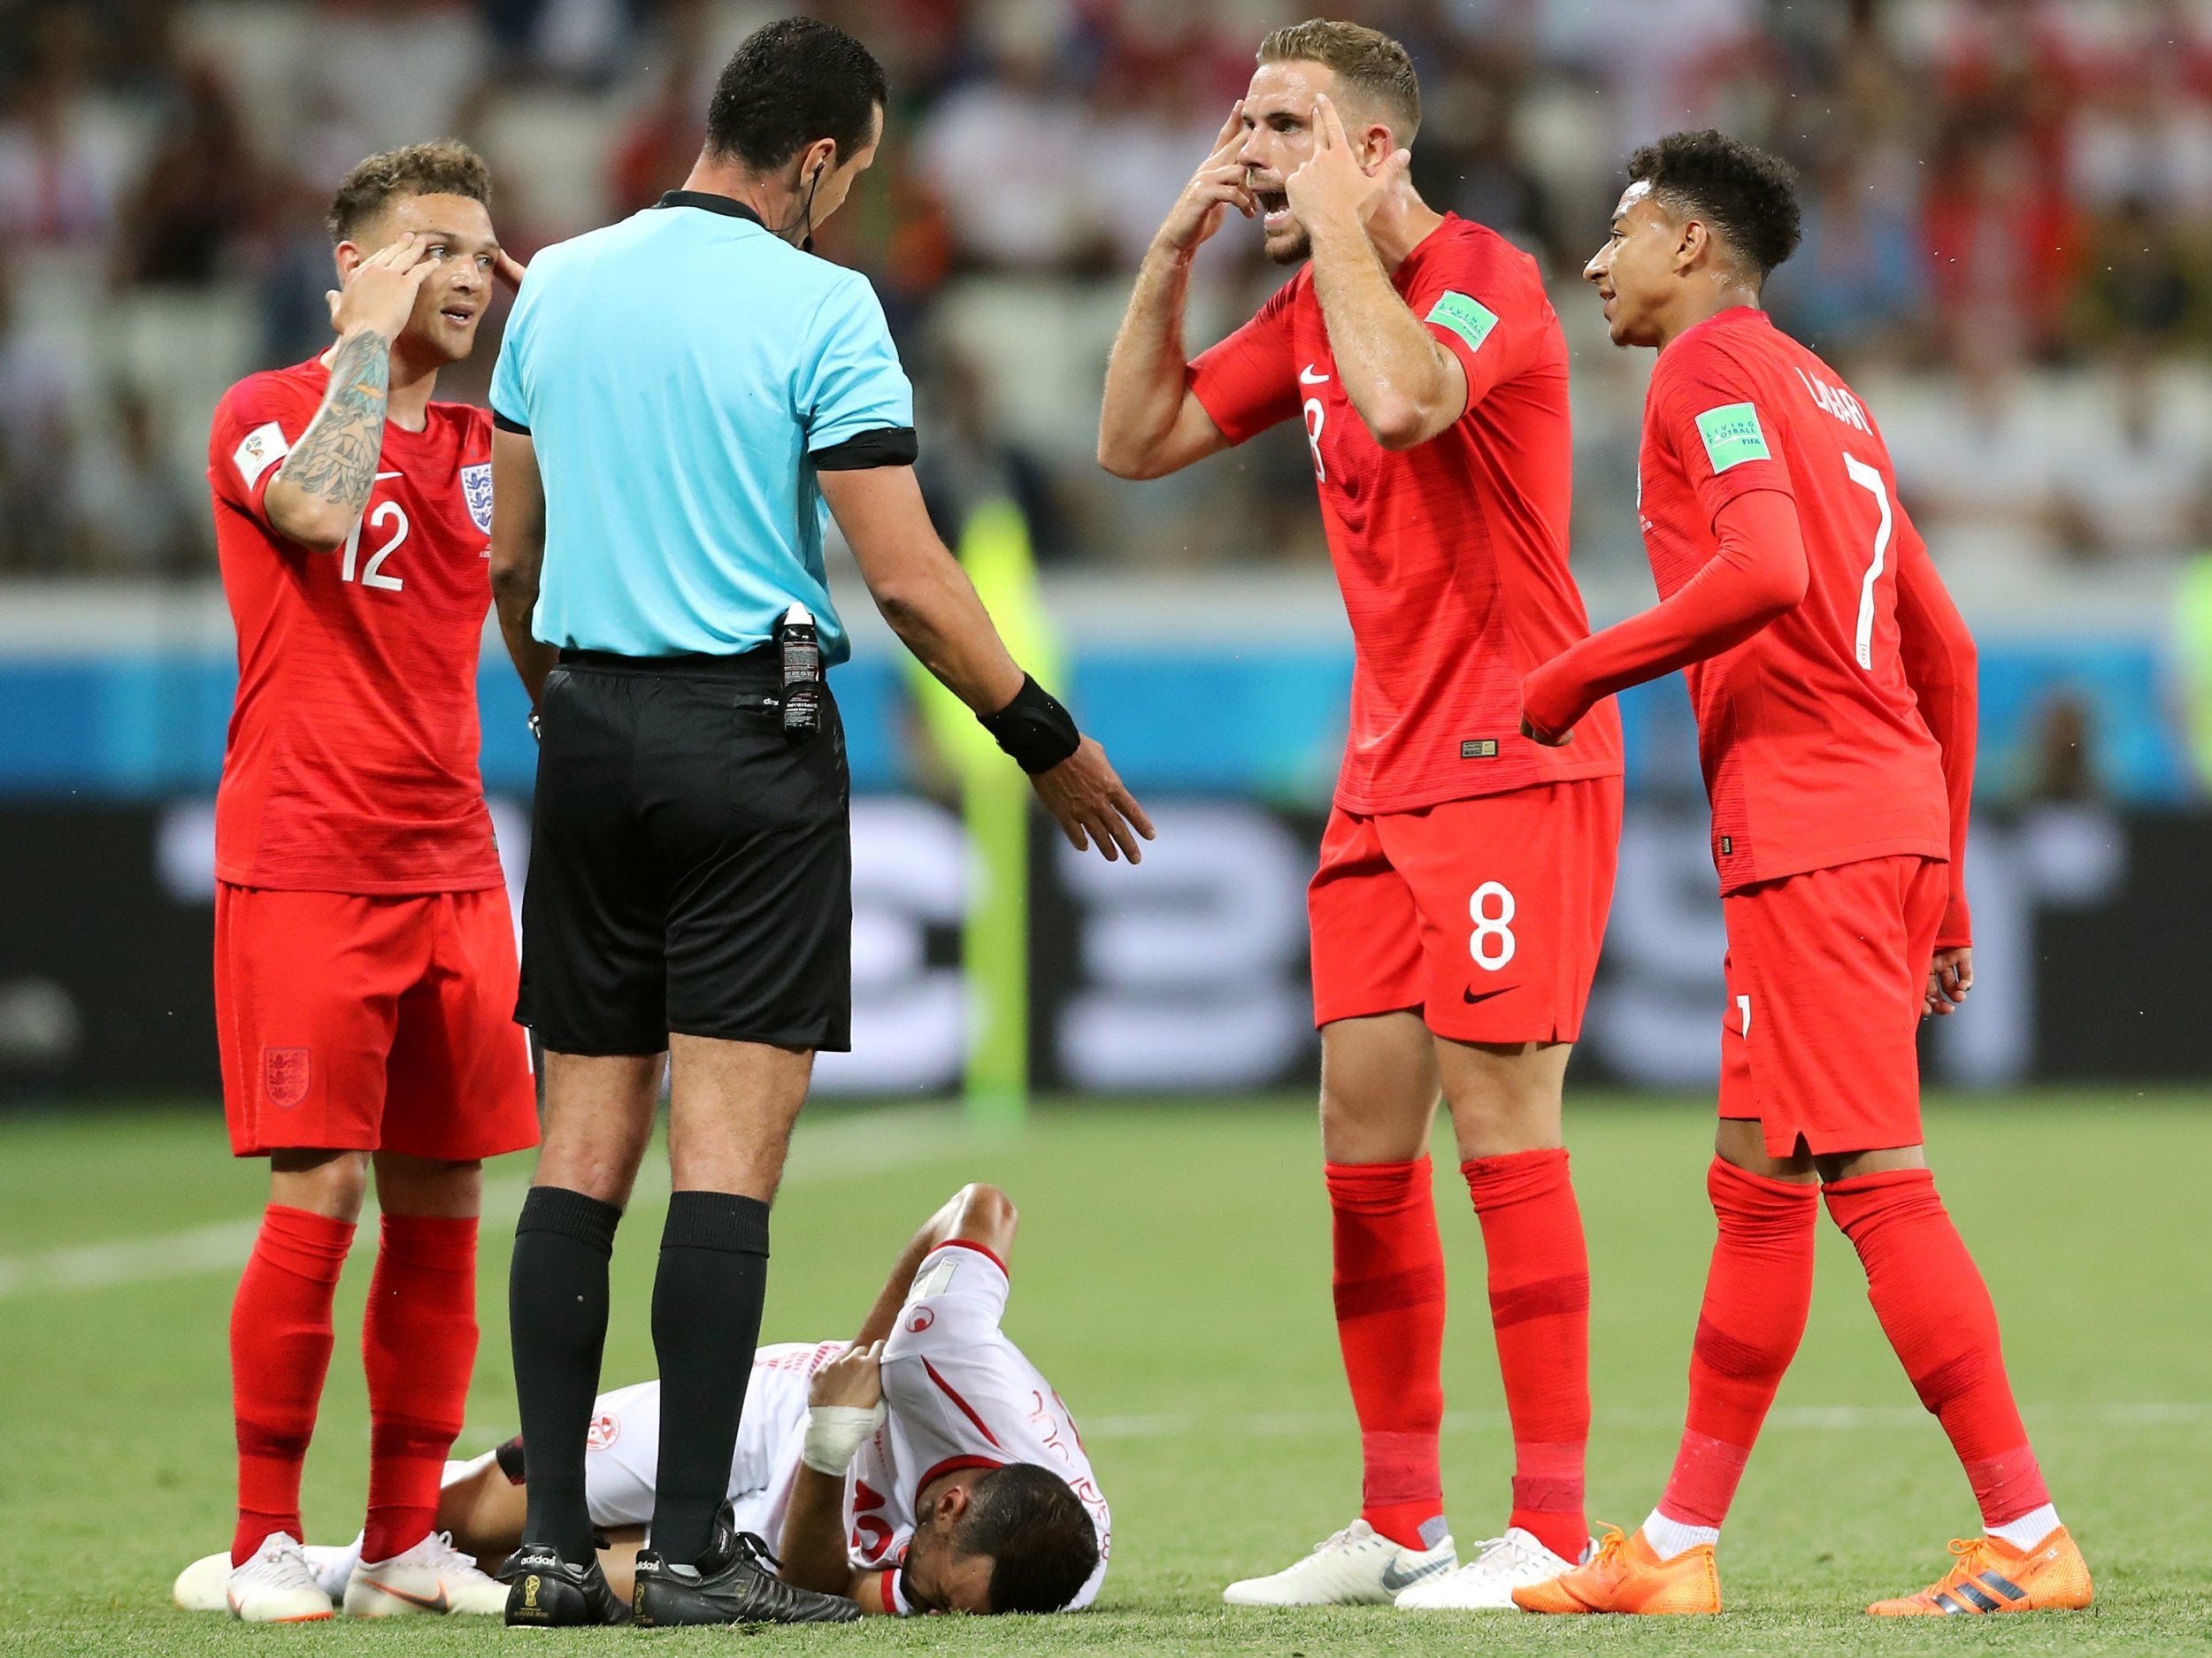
x=728 y=206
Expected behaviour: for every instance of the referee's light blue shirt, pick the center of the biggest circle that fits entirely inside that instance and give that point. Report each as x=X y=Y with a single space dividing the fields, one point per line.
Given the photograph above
x=683 y=376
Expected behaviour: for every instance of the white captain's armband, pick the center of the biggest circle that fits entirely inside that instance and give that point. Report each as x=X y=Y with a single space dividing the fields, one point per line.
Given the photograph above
x=936 y=1279
x=260 y=448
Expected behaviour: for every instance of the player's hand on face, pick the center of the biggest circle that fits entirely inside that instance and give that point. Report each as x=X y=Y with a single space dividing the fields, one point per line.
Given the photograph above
x=1092 y=806
x=854 y=1377
x=1949 y=978
x=379 y=294
x=508 y=271
x=1333 y=185
x=1216 y=186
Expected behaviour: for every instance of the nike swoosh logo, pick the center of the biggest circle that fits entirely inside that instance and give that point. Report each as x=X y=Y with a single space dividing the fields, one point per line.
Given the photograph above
x=1307 y=377
x=444 y=1603
x=1393 y=1580
x=1471 y=997
x=391 y=474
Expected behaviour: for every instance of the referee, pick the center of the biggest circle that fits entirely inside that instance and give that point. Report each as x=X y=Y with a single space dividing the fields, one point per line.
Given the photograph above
x=680 y=400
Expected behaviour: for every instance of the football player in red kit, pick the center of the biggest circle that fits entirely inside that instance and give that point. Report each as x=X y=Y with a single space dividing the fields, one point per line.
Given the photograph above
x=1466 y=872
x=1833 y=683
x=364 y=956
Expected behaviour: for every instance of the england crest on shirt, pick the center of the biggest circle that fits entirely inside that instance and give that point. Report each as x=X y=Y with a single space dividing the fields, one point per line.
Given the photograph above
x=476 y=490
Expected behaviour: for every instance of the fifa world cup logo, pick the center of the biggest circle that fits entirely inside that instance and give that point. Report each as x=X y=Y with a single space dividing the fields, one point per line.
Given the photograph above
x=529 y=1591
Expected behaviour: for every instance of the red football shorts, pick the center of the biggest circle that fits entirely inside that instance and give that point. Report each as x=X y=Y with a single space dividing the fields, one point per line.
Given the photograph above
x=1827 y=977
x=1484 y=915
x=355 y=1023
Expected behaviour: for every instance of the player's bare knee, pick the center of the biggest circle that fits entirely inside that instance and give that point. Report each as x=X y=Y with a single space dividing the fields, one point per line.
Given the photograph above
x=332 y=1183
x=1741 y=1142
x=428 y=1186
x=1498 y=1125
x=1504 y=1097
x=1377 y=1125
x=1850 y=1165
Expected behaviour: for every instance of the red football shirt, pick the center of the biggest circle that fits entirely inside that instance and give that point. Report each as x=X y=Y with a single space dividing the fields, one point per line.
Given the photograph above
x=1452 y=555
x=351 y=765
x=1813 y=745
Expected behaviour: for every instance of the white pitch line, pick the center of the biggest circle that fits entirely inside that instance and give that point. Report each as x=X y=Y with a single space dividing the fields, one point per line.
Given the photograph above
x=846 y=1148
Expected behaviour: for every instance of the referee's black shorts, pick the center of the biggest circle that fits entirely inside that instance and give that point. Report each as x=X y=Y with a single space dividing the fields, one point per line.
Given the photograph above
x=690 y=867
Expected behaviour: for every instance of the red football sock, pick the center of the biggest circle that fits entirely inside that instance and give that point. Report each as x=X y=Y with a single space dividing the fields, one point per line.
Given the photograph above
x=1936 y=1313
x=1389 y=1283
x=1757 y=1294
x=280 y=1352
x=419 y=1341
x=1539 y=1306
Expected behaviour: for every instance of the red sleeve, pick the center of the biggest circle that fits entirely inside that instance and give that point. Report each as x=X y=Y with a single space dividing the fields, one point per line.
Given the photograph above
x=1249 y=380
x=1706 y=406
x=1939 y=665
x=1758 y=574
x=1479 y=311
x=255 y=426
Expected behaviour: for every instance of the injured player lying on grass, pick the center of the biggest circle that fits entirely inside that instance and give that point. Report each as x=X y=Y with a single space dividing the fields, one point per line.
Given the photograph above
x=925 y=1466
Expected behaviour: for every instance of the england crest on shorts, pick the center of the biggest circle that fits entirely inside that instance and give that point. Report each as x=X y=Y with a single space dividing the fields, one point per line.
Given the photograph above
x=285 y=1072
x=476 y=489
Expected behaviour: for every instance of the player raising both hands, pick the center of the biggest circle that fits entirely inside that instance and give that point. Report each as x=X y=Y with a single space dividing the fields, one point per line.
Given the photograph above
x=1834 y=688
x=365 y=958
x=1466 y=870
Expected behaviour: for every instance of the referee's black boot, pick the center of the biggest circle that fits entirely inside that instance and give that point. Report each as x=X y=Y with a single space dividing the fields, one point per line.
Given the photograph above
x=734 y=1582
x=545 y=1592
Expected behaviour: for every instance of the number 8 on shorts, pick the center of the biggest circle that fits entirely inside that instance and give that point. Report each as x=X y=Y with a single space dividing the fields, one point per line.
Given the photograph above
x=1492 y=941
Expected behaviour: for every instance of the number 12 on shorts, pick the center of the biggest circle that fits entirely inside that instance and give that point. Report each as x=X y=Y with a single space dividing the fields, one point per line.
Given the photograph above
x=1491 y=910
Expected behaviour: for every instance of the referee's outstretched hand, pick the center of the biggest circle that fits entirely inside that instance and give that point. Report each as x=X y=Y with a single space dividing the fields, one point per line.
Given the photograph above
x=1092 y=808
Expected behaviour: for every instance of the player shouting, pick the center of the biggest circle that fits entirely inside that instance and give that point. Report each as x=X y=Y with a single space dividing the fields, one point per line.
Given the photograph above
x=365 y=958
x=1466 y=872
x=1834 y=688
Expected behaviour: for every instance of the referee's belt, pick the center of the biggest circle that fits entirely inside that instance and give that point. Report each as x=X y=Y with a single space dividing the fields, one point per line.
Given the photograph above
x=762 y=661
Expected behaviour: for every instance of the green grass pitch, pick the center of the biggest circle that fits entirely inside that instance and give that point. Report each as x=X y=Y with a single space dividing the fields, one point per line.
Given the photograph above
x=1173 y=1277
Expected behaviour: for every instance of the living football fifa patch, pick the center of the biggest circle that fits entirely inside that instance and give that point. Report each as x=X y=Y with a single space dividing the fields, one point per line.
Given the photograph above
x=1732 y=435
x=1471 y=319
x=261 y=448
x=476 y=490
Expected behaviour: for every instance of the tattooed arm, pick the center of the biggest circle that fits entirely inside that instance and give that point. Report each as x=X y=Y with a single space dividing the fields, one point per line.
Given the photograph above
x=320 y=491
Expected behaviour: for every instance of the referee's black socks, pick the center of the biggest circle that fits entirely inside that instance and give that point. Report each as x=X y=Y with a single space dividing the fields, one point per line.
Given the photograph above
x=706 y=1322
x=556 y=1319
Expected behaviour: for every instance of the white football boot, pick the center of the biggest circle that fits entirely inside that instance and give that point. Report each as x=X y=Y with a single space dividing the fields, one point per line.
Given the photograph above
x=1486 y=1583
x=276 y=1586
x=434 y=1576
x=200 y=1586
x=332 y=1565
x=1356 y=1567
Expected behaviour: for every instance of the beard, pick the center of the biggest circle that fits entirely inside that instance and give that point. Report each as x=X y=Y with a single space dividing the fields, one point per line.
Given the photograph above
x=1298 y=248
x=433 y=342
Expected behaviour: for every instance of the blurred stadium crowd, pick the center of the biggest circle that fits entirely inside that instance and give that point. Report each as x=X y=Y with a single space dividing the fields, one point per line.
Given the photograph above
x=2008 y=231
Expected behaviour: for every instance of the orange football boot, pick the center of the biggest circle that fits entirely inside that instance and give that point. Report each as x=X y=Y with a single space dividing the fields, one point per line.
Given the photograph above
x=1627 y=1576
x=1990 y=1575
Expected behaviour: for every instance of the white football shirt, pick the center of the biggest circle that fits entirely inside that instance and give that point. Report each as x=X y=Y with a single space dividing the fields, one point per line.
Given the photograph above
x=961 y=1395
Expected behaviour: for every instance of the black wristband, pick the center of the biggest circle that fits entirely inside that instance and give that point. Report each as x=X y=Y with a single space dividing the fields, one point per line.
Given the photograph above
x=1033 y=728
